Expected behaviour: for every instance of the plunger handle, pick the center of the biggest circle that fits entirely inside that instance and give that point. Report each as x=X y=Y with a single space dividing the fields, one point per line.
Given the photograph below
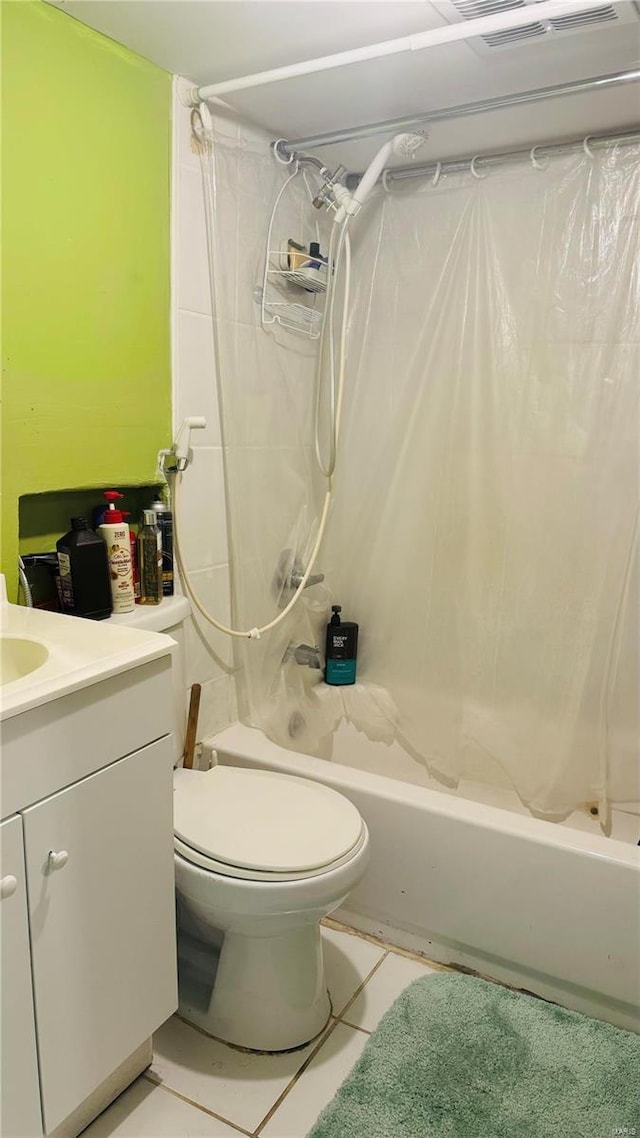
x=192 y=726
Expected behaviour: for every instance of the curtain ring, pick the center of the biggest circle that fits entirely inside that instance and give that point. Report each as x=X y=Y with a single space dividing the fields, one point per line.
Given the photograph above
x=587 y=149
x=385 y=183
x=535 y=162
x=436 y=176
x=277 y=153
x=472 y=167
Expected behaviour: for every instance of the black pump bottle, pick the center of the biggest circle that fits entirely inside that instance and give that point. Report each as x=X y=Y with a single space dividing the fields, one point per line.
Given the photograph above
x=341 y=650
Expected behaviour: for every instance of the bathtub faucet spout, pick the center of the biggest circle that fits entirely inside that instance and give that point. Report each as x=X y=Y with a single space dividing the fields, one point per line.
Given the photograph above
x=307 y=655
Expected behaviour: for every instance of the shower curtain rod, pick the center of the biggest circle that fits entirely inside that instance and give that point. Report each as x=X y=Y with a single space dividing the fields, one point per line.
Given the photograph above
x=534 y=153
x=463 y=30
x=596 y=82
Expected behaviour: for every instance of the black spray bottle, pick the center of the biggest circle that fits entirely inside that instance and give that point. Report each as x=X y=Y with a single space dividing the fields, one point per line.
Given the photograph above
x=341 y=649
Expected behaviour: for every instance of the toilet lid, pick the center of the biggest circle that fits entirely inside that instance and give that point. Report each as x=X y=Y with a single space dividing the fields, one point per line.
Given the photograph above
x=262 y=820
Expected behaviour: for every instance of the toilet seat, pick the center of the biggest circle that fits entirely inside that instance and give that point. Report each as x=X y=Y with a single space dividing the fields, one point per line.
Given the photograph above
x=261 y=825
x=236 y=871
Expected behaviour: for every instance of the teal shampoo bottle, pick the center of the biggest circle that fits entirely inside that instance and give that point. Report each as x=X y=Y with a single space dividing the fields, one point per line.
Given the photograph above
x=341 y=650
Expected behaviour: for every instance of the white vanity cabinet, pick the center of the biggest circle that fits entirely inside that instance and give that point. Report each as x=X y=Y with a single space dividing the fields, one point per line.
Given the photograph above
x=20 y=1102
x=88 y=932
x=100 y=907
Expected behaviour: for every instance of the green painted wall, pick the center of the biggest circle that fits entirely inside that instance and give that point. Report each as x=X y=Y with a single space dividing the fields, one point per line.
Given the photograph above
x=85 y=273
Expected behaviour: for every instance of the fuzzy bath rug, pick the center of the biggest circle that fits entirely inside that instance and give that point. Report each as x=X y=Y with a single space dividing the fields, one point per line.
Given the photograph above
x=458 y=1057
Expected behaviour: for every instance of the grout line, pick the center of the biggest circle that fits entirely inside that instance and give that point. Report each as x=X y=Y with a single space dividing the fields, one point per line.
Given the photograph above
x=310 y=1057
x=361 y=986
x=198 y=1106
x=338 y=1020
x=348 y=930
x=355 y=1026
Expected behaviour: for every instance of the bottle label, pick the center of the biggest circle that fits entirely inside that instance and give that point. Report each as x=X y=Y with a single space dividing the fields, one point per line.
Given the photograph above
x=339 y=643
x=340 y=672
x=66 y=584
x=165 y=525
x=120 y=568
x=120 y=559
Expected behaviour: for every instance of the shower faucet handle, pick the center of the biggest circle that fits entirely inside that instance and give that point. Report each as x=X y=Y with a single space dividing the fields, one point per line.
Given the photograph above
x=296 y=579
x=289 y=575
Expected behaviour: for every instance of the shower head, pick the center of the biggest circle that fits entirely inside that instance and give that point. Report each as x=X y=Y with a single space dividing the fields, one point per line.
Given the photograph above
x=406 y=145
x=402 y=146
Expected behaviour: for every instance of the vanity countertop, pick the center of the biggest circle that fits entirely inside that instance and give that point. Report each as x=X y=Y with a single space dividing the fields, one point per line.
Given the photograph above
x=46 y=655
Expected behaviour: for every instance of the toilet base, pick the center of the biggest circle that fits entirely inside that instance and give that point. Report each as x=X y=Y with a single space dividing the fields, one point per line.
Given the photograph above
x=269 y=992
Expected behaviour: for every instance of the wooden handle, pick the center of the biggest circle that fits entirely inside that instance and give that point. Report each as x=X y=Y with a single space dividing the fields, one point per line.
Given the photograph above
x=192 y=726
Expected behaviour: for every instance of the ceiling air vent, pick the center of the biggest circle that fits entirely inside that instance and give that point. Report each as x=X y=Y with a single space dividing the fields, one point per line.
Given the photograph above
x=564 y=25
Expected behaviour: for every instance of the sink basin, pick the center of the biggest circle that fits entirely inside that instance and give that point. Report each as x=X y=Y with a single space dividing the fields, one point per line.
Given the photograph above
x=20 y=657
x=46 y=655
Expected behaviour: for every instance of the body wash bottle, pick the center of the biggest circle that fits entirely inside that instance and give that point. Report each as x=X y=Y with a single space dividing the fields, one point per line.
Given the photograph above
x=115 y=532
x=341 y=650
x=150 y=560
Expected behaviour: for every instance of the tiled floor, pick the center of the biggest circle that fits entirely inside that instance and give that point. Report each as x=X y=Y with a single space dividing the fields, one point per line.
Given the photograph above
x=199 y=1088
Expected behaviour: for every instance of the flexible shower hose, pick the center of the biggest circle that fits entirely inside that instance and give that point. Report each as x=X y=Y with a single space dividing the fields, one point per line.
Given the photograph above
x=336 y=398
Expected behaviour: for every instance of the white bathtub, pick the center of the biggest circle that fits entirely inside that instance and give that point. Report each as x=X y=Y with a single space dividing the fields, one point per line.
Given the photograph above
x=552 y=909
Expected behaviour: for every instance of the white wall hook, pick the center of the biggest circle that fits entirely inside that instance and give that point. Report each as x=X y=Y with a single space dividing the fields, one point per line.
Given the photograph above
x=8 y=886
x=57 y=859
x=537 y=163
x=476 y=173
x=587 y=149
x=385 y=182
x=436 y=176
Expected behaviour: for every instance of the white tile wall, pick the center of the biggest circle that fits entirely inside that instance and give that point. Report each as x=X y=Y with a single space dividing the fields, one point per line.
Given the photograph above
x=203 y=521
x=195 y=387
x=269 y=375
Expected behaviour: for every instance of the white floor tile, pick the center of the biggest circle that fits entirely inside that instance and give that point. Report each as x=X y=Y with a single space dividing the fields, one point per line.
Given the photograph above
x=347 y=961
x=317 y=1086
x=237 y=1085
x=392 y=977
x=146 y=1111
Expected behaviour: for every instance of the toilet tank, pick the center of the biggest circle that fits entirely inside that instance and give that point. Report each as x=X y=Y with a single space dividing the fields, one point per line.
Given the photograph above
x=168 y=617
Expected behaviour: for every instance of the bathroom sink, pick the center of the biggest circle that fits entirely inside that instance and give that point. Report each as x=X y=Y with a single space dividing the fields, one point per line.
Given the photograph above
x=44 y=655
x=20 y=657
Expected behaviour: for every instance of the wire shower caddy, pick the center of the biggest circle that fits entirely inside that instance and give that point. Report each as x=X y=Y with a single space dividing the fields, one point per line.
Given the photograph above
x=292 y=295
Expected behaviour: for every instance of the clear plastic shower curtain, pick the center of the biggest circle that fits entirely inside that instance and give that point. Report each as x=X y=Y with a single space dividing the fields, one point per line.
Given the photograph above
x=485 y=527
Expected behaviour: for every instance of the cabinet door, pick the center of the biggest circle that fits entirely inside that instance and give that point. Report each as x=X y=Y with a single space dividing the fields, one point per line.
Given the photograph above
x=102 y=922
x=19 y=1091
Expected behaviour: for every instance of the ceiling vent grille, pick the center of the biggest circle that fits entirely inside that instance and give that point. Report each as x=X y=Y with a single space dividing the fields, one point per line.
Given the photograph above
x=580 y=22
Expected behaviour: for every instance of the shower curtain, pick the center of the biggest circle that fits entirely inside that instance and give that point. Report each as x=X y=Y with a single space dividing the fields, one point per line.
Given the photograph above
x=485 y=526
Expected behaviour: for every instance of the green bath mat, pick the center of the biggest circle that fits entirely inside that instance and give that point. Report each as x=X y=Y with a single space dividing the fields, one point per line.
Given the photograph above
x=457 y=1057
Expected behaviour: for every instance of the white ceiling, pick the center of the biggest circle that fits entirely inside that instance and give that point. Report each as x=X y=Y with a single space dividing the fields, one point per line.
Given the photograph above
x=211 y=40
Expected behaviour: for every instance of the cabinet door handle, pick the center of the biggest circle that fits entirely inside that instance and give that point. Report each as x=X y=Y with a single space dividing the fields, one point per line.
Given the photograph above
x=8 y=886
x=57 y=859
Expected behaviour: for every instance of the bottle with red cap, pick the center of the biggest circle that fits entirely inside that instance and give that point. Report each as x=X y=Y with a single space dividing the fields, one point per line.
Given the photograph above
x=115 y=532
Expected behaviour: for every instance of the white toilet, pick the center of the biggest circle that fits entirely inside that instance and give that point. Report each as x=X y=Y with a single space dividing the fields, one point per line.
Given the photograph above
x=260 y=859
